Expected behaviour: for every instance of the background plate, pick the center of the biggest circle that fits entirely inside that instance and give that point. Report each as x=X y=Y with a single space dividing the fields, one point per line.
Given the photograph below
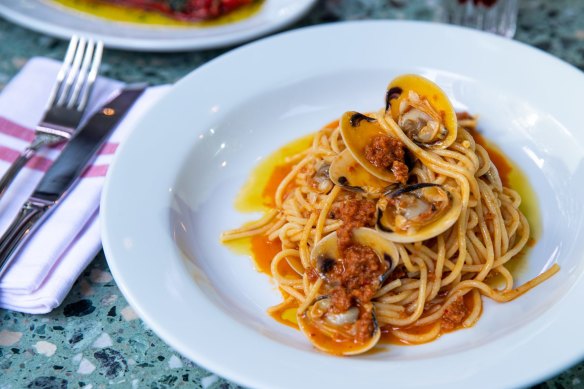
x=170 y=193
x=53 y=19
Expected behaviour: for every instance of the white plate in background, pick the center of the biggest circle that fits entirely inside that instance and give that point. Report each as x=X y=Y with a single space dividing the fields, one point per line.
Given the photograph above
x=171 y=189
x=54 y=19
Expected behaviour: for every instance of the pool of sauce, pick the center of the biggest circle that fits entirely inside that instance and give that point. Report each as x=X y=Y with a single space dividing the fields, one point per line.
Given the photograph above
x=120 y=13
x=258 y=193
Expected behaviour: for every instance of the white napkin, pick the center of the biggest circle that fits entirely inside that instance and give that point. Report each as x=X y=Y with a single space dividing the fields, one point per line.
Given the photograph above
x=45 y=269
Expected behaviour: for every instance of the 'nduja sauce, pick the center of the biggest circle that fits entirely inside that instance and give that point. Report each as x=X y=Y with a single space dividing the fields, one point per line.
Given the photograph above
x=353 y=278
x=388 y=153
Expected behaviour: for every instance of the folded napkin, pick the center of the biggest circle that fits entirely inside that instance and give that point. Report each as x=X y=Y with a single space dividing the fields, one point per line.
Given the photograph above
x=45 y=269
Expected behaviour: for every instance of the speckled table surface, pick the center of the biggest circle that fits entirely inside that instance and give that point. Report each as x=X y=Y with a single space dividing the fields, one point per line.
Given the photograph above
x=95 y=339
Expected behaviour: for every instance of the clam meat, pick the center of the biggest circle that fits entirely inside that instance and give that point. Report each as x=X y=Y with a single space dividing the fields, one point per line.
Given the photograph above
x=417 y=212
x=422 y=110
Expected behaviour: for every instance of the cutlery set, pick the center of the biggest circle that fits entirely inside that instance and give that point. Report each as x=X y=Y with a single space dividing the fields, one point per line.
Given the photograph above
x=66 y=106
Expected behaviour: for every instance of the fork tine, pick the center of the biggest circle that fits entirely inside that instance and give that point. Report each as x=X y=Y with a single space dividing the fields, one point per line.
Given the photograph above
x=63 y=70
x=73 y=71
x=92 y=75
x=82 y=74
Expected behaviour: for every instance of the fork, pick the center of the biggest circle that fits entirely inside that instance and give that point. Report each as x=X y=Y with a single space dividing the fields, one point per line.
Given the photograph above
x=67 y=102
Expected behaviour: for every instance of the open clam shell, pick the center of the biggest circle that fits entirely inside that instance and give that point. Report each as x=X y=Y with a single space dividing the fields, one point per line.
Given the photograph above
x=345 y=171
x=348 y=333
x=422 y=110
x=326 y=252
x=358 y=131
x=417 y=212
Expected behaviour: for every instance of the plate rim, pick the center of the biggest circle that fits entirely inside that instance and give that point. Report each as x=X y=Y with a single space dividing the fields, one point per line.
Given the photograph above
x=113 y=41
x=246 y=380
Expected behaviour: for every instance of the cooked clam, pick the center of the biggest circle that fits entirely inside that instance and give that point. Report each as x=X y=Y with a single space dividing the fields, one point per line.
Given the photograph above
x=422 y=110
x=347 y=333
x=325 y=253
x=345 y=327
x=349 y=174
x=417 y=212
x=373 y=148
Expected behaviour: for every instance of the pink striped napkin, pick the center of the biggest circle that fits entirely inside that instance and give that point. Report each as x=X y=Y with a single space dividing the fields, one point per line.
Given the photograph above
x=46 y=268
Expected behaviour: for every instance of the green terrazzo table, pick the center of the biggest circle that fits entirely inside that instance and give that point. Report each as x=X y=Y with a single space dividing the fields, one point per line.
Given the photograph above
x=95 y=340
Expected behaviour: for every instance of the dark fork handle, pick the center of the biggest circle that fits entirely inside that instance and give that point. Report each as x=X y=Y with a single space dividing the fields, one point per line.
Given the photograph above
x=22 y=226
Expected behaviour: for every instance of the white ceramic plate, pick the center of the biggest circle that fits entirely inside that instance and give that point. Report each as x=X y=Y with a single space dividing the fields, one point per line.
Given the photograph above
x=171 y=190
x=53 y=19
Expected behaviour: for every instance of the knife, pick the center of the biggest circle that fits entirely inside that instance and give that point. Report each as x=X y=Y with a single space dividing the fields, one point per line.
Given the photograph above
x=65 y=171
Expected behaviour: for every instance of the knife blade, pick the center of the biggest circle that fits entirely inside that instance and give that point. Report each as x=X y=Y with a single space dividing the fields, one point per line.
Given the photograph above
x=65 y=171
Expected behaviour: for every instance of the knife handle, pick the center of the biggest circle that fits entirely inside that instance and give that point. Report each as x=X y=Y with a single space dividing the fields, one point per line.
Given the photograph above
x=21 y=228
x=16 y=166
x=39 y=141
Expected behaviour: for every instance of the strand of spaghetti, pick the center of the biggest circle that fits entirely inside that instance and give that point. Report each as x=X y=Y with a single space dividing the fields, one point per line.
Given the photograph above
x=470 y=154
x=295 y=264
x=432 y=334
x=335 y=141
x=511 y=225
x=292 y=292
x=388 y=287
x=396 y=297
x=477 y=308
x=421 y=296
x=326 y=207
x=477 y=245
x=473 y=219
x=310 y=296
x=304 y=252
x=475 y=257
x=299 y=198
x=274 y=267
x=483 y=156
x=511 y=294
x=464 y=159
x=488 y=243
x=461 y=226
x=275 y=226
x=245 y=234
x=515 y=198
x=523 y=238
x=507 y=277
x=490 y=203
x=405 y=258
x=253 y=226
x=296 y=157
x=383 y=316
x=439 y=267
x=323 y=152
x=388 y=307
x=331 y=227
x=280 y=233
x=288 y=301
x=288 y=179
x=438 y=314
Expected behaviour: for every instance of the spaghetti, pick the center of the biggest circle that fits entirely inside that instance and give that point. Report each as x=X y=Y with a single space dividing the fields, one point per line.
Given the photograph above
x=393 y=222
